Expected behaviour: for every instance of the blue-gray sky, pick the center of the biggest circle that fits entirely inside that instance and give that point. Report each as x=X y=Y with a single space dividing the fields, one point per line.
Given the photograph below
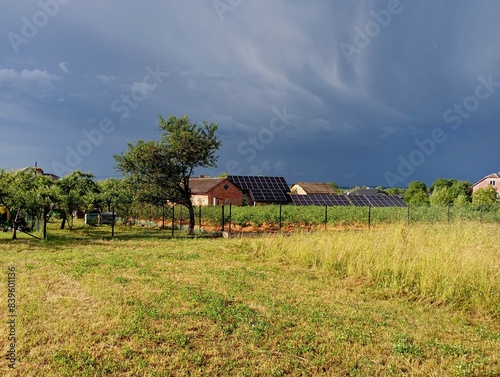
x=356 y=92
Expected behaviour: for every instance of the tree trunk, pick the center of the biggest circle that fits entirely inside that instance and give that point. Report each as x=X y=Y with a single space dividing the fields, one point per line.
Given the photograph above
x=14 y=226
x=191 y=218
x=63 y=222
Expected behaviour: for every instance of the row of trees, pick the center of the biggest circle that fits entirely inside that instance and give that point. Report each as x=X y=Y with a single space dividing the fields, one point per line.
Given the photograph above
x=445 y=192
x=29 y=194
x=155 y=172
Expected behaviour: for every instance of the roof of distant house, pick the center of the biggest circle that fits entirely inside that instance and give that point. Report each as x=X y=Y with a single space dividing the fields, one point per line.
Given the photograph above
x=40 y=171
x=493 y=175
x=316 y=187
x=204 y=185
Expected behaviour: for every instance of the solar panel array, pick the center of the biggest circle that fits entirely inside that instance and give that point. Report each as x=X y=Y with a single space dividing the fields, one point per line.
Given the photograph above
x=320 y=200
x=275 y=190
x=343 y=200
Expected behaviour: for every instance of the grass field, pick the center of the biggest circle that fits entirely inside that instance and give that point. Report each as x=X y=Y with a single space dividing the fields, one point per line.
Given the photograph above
x=395 y=300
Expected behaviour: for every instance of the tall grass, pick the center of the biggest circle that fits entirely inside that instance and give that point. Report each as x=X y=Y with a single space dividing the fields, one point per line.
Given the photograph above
x=457 y=264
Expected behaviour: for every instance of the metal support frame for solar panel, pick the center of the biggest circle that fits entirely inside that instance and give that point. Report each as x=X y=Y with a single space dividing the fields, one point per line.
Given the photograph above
x=359 y=200
x=386 y=201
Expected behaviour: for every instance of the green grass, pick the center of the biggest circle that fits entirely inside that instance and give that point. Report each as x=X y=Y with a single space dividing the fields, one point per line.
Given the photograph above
x=391 y=301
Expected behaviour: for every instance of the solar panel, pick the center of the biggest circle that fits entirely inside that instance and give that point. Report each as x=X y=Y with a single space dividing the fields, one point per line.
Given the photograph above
x=259 y=183
x=359 y=200
x=386 y=201
x=339 y=200
x=320 y=200
x=268 y=196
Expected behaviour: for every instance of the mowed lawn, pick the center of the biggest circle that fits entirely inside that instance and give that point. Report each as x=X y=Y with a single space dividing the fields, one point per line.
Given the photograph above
x=422 y=300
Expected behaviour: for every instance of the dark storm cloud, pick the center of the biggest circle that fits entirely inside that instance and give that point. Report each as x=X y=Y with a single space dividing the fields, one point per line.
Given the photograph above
x=327 y=91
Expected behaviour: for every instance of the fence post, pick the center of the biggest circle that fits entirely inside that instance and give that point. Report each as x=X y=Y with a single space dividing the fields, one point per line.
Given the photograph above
x=449 y=207
x=45 y=222
x=173 y=220
x=113 y=222
x=480 y=213
x=163 y=216
x=408 y=214
x=326 y=216
x=222 y=219
x=369 y=216
x=199 y=216
x=230 y=218
x=279 y=228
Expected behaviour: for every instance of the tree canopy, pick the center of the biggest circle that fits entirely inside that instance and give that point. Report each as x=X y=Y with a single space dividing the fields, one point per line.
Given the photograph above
x=416 y=193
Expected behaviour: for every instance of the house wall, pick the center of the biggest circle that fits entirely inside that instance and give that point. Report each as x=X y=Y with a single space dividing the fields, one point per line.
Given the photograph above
x=200 y=200
x=298 y=190
x=495 y=182
x=231 y=195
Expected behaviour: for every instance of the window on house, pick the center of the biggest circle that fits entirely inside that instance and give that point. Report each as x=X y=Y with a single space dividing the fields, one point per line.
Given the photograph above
x=492 y=183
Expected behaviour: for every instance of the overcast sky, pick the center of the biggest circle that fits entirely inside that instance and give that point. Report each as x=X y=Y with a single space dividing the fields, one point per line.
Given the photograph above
x=356 y=92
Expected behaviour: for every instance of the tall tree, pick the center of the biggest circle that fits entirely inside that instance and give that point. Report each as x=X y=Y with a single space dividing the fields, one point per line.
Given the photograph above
x=416 y=193
x=162 y=168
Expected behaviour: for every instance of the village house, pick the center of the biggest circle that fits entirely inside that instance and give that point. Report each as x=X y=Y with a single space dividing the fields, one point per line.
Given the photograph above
x=489 y=180
x=214 y=191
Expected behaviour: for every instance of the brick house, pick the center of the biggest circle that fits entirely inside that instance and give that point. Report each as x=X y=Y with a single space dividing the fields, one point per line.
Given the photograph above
x=492 y=179
x=214 y=191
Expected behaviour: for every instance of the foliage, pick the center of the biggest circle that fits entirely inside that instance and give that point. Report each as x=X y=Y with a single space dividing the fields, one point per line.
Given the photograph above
x=453 y=189
x=115 y=193
x=334 y=186
x=441 y=196
x=24 y=193
x=485 y=196
x=461 y=201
